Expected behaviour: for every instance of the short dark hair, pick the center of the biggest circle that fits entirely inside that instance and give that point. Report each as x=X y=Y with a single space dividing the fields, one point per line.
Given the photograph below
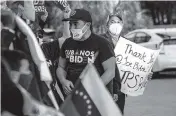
x=13 y=57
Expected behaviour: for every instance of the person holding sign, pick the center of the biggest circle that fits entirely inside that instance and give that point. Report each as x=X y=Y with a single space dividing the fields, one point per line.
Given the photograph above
x=81 y=48
x=114 y=28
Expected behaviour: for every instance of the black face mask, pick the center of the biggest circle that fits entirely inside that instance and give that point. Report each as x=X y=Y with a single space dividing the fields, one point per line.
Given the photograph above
x=25 y=80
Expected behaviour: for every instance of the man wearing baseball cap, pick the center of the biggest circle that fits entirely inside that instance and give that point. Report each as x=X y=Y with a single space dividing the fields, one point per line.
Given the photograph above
x=81 y=48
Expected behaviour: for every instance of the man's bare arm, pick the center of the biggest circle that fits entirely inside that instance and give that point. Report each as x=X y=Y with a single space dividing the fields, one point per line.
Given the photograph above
x=109 y=70
x=61 y=73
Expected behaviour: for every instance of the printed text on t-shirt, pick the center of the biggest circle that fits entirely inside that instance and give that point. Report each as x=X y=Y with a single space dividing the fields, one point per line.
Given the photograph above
x=80 y=56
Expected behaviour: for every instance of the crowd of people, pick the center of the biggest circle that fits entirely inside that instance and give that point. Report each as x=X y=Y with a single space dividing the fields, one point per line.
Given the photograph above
x=22 y=89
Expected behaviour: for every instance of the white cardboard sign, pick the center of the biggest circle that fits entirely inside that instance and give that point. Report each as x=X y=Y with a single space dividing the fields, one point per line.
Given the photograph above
x=134 y=63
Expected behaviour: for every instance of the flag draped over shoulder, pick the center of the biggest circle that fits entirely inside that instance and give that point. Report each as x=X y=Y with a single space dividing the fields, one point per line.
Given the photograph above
x=90 y=97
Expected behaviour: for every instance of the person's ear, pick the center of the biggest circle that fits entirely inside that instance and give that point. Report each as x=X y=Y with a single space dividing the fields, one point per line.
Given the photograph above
x=87 y=26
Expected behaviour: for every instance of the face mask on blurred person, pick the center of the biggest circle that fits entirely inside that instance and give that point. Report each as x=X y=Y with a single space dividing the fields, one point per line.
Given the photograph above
x=78 y=33
x=115 y=29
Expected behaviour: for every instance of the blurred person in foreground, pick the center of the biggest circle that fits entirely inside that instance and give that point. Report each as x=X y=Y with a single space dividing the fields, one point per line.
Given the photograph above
x=37 y=88
x=11 y=35
x=17 y=101
x=24 y=76
x=81 y=48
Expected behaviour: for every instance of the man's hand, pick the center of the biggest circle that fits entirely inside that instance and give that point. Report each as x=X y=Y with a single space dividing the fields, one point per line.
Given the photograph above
x=115 y=97
x=67 y=86
x=150 y=76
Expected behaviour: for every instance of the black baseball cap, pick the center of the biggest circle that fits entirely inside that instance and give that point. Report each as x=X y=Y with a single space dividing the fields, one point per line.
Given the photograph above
x=79 y=14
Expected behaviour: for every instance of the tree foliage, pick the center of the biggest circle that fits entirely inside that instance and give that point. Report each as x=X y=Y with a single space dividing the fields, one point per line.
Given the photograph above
x=100 y=10
x=162 y=12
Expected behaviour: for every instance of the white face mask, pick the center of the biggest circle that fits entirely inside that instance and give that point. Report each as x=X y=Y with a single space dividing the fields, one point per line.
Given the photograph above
x=115 y=29
x=78 y=33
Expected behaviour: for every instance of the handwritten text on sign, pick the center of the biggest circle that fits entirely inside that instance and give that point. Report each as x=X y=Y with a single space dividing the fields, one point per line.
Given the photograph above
x=135 y=63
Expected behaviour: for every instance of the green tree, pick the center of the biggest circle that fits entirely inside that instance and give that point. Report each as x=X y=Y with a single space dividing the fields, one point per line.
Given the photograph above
x=133 y=18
